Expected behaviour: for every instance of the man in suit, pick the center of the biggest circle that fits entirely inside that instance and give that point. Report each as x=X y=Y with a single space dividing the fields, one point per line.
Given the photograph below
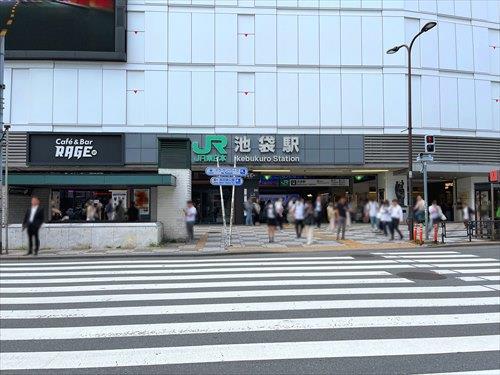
x=33 y=220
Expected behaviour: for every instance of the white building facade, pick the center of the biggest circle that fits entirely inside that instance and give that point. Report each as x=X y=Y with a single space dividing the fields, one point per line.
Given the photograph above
x=282 y=68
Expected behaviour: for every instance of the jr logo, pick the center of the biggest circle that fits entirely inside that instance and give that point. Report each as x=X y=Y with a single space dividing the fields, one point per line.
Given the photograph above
x=219 y=142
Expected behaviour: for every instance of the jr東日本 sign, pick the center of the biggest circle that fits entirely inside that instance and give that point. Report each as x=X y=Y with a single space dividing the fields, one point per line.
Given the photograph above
x=75 y=149
x=319 y=182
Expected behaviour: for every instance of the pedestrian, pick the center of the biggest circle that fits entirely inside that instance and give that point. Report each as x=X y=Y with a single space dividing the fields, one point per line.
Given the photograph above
x=435 y=216
x=396 y=217
x=419 y=210
x=291 y=207
x=280 y=209
x=330 y=211
x=190 y=217
x=270 y=211
x=385 y=217
x=467 y=214
x=90 y=211
x=119 y=214
x=298 y=216
x=256 y=212
x=132 y=212
x=371 y=209
x=33 y=220
x=309 y=221
x=108 y=209
x=318 y=212
x=248 y=212
x=341 y=210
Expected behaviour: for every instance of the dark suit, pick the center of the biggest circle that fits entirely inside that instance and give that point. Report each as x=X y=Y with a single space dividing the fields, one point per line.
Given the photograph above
x=33 y=227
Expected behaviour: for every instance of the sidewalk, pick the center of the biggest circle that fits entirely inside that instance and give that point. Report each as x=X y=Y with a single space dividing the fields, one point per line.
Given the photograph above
x=254 y=239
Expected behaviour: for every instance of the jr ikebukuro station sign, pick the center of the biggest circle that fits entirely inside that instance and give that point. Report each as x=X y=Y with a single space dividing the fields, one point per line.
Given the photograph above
x=247 y=149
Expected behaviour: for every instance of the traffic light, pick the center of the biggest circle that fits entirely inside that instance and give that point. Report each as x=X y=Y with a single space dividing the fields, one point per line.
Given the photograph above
x=430 y=144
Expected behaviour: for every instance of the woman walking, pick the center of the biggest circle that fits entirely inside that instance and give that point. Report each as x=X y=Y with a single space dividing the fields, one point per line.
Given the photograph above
x=330 y=211
x=298 y=215
x=271 y=220
x=309 y=221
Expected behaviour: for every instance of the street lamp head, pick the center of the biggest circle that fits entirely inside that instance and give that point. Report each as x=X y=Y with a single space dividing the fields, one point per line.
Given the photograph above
x=428 y=26
x=393 y=50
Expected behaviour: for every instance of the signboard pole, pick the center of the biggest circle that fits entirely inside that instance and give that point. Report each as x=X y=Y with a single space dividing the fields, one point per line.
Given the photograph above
x=224 y=230
x=231 y=217
x=426 y=200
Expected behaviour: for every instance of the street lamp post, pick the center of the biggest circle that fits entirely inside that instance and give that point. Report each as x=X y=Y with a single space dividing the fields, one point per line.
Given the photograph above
x=425 y=28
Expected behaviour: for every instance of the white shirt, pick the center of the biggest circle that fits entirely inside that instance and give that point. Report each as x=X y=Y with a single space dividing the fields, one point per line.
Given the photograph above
x=396 y=212
x=32 y=213
x=385 y=214
x=434 y=212
x=372 y=208
x=191 y=214
x=299 y=211
x=465 y=212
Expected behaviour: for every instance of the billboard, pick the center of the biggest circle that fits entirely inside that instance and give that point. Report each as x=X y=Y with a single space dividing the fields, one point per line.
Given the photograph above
x=64 y=29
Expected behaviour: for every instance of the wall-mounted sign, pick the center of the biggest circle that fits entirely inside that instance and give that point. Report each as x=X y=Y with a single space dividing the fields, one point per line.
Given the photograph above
x=226 y=181
x=75 y=149
x=319 y=182
x=226 y=171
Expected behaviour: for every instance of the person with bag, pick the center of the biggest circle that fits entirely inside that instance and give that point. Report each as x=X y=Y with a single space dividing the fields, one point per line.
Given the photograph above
x=309 y=221
x=419 y=210
x=435 y=216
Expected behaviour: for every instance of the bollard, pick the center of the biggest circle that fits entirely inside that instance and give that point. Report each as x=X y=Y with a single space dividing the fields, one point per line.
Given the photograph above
x=421 y=234
x=436 y=230
x=415 y=232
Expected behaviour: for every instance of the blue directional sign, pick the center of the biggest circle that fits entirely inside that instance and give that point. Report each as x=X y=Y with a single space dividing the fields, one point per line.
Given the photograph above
x=226 y=181
x=226 y=171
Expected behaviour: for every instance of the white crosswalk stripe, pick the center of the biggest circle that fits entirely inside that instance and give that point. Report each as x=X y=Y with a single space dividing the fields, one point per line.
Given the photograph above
x=139 y=313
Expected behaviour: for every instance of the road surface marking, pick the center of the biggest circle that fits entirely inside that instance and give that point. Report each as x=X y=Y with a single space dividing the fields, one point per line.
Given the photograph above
x=246 y=307
x=246 y=352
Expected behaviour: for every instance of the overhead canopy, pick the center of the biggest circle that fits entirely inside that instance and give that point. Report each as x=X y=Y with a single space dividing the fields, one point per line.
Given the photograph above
x=116 y=179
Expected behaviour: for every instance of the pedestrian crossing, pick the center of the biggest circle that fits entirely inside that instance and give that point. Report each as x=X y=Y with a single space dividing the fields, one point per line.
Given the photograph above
x=253 y=314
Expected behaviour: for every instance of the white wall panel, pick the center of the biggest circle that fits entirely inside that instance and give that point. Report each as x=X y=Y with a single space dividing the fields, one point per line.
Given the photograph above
x=372 y=40
x=479 y=9
x=393 y=4
x=135 y=21
x=203 y=38
x=395 y=100
x=20 y=96
x=352 y=100
x=328 y=4
x=203 y=98
x=447 y=45
x=350 y=4
x=466 y=104
x=179 y=37
x=308 y=40
x=179 y=98
x=226 y=44
x=246 y=99
x=286 y=3
x=288 y=99
x=329 y=30
x=308 y=4
x=481 y=49
x=265 y=99
x=412 y=27
x=309 y=99
x=287 y=39
x=430 y=102
x=446 y=7
x=371 y=4
x=7 y=94
x=494 y=36
x=394 y=35
x=265 y=3
x=246 y=49
x=65 y=96
x=135 y=98
x=429 y=47
x=265 y=39
x=483 y=105
x=427 y=6
x=465 y=49
x=155 y=91
x=156 y=37
x=246 y=24
x=246 y=3
x=448 y=99
x=350 y=40
x=462 y=8
x=331 y=100
x=90 y=96
x=411 y=5
x=203 y=2
x=495 y=105
x=114 y=97
x=40 y=93
x=135 y=47
x=226 y=99
x=373 y=100
x=416 y=100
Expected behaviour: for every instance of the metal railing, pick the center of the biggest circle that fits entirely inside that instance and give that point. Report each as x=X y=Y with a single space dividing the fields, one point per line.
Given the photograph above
x=483 y=229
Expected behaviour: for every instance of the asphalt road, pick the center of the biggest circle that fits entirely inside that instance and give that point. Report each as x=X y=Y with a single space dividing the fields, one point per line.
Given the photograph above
x=363 y=312
x=55 y=26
